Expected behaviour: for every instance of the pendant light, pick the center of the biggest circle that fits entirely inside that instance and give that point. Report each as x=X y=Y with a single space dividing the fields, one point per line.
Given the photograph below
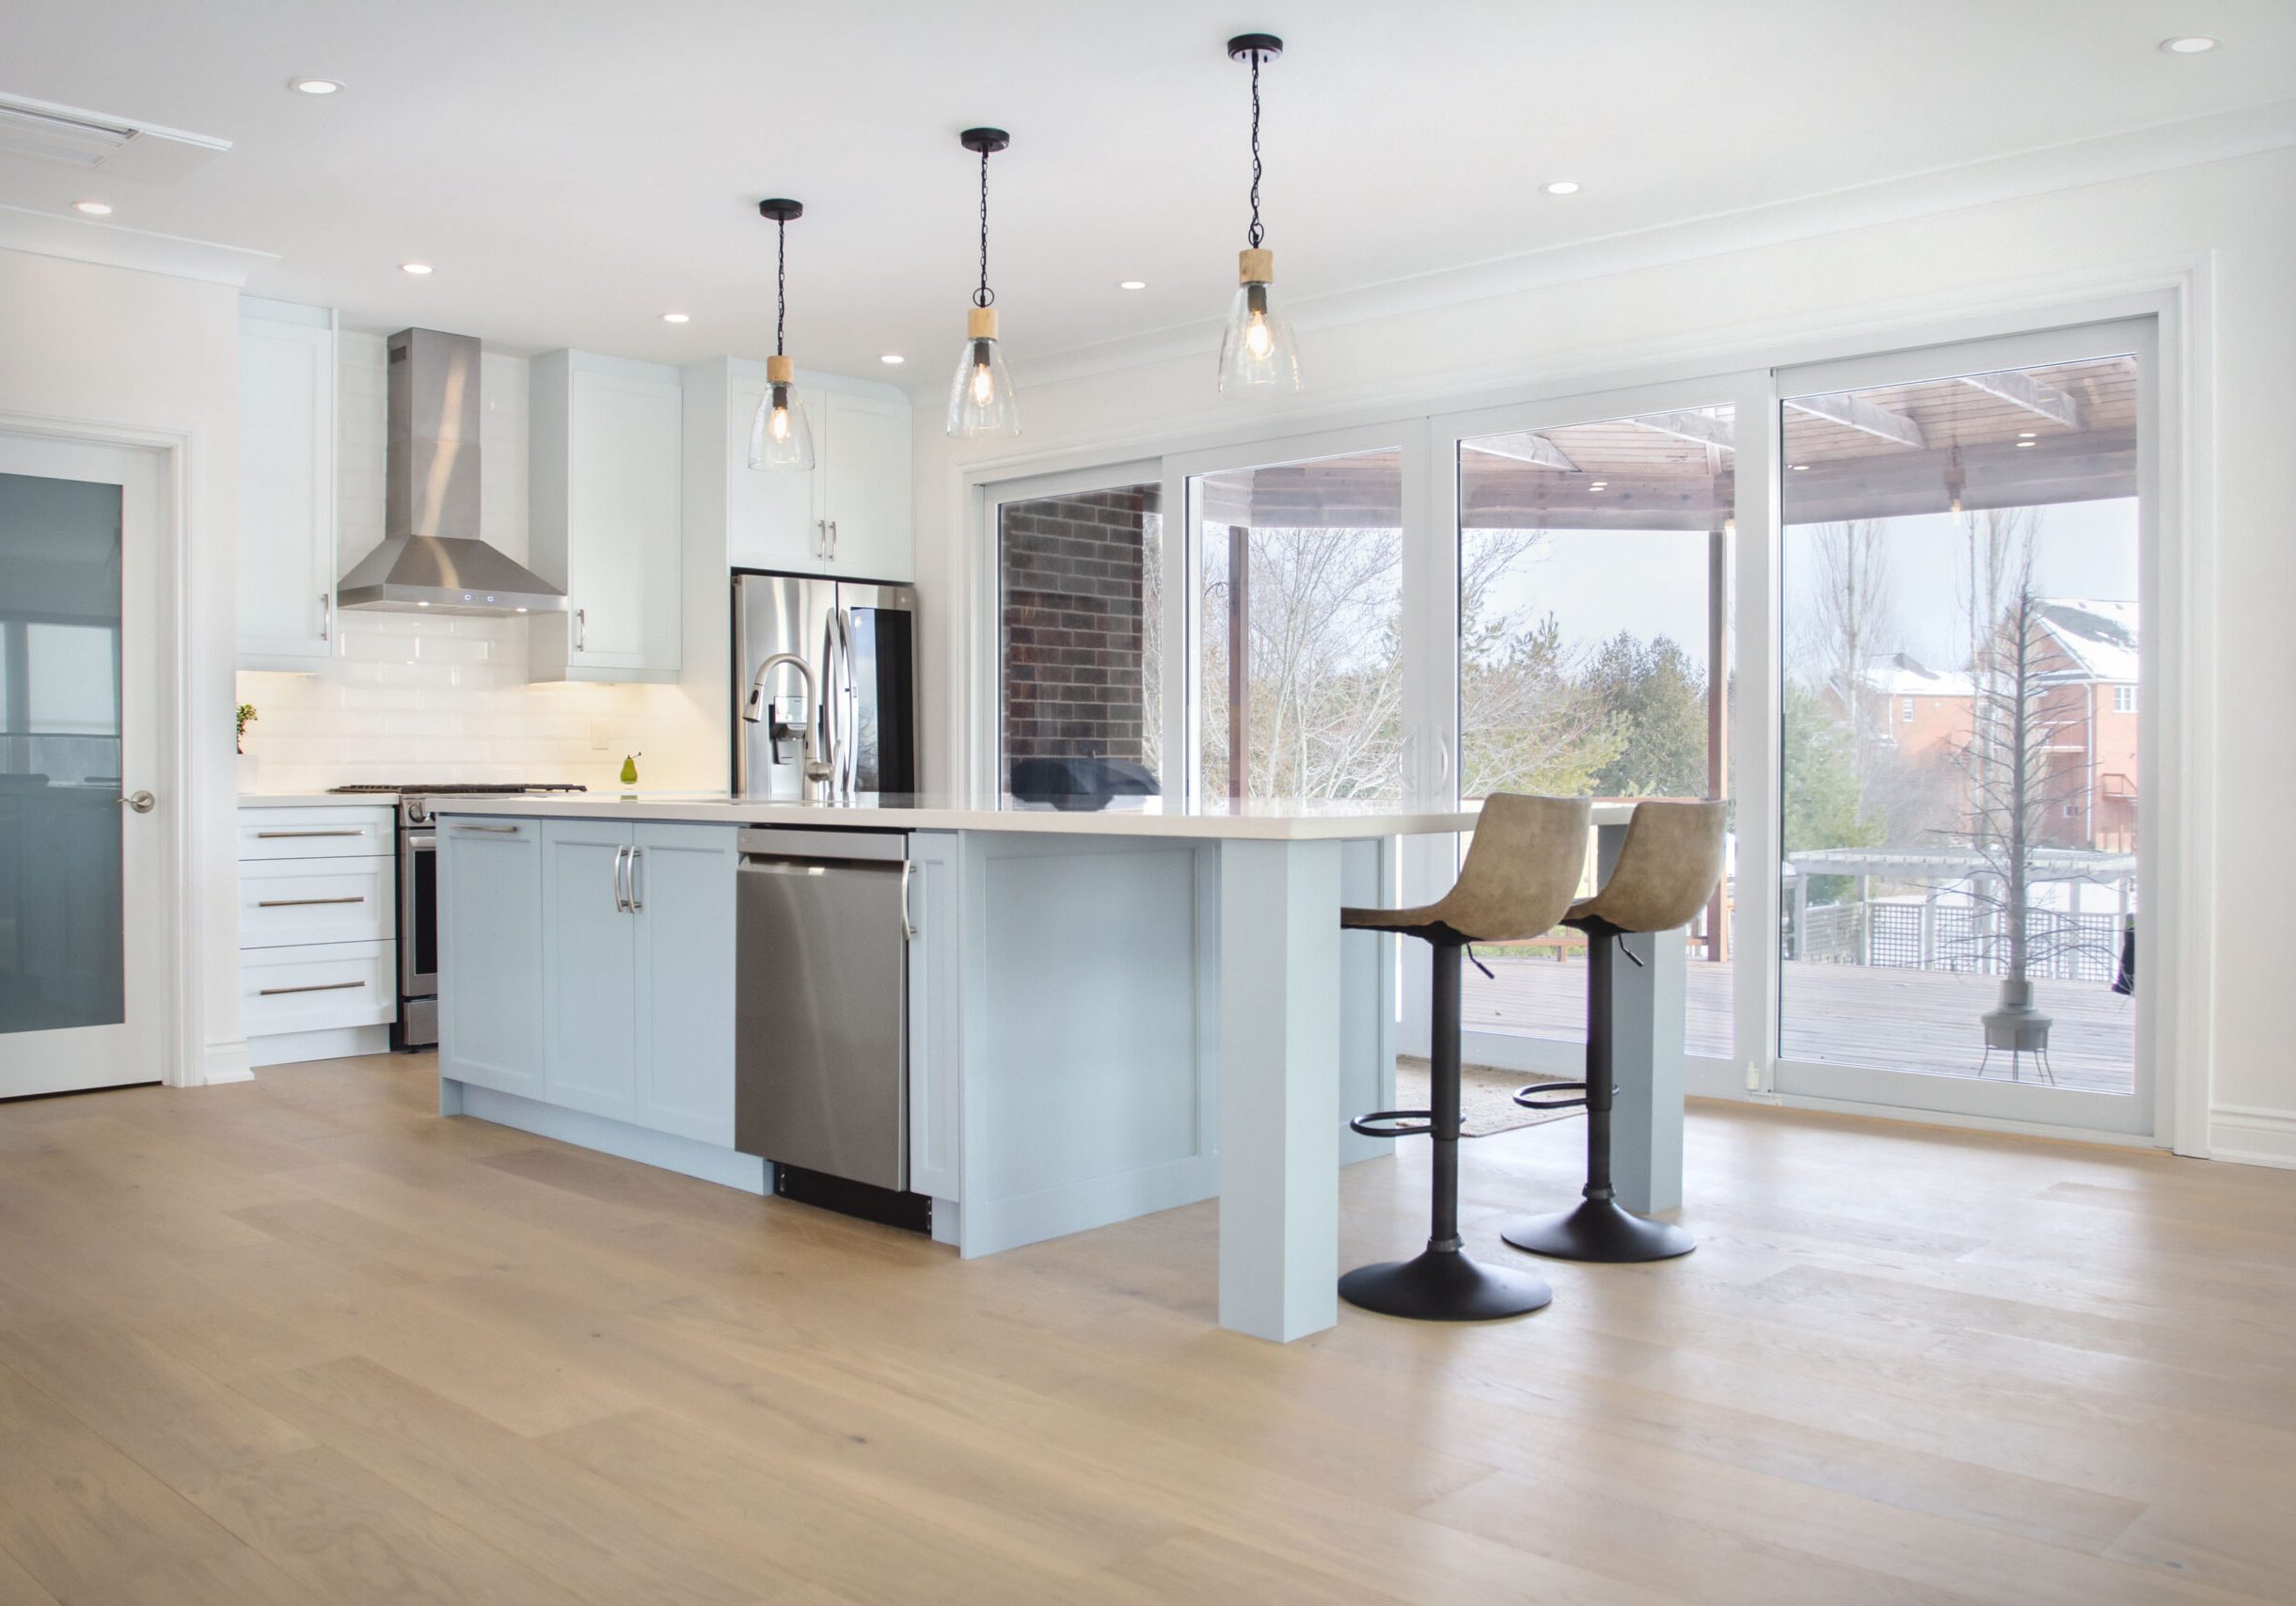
x=780 y=440
x=1258 y=355
x=981 y=402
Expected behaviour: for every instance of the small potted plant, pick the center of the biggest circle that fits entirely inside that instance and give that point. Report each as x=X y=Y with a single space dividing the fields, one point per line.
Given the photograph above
x=247 y=759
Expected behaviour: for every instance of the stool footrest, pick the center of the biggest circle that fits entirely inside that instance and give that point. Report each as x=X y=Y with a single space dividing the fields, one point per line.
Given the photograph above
x=1542 y=1095
x=1384 y=1123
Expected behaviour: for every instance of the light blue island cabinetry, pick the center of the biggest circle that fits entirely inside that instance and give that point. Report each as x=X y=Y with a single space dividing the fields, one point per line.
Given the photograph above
x=586 y=986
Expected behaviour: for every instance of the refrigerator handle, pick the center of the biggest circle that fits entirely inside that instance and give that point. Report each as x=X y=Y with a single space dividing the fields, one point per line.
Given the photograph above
x=849 y=697
x=832 y=734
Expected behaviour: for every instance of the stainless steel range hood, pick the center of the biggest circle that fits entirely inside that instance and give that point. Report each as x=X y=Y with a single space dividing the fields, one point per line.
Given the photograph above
x=431 y=556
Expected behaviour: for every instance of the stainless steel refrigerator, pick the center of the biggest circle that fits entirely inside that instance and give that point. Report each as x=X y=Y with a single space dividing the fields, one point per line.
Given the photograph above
x=860 y=639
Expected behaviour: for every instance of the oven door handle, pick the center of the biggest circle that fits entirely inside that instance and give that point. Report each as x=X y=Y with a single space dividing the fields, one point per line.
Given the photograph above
x=411 y=844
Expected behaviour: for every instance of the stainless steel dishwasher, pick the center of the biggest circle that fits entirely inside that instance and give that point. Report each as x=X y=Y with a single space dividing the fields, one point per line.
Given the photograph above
x=821 y=1023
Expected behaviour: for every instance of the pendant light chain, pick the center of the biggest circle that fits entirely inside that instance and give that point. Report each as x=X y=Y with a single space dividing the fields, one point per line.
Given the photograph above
x=1256 y=234
x=983 y=296
x=781 y=281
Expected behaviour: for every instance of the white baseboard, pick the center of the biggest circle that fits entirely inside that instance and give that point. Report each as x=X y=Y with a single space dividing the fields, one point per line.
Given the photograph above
x=225 y=1062
x=329 y=1042
x=2248 y=1135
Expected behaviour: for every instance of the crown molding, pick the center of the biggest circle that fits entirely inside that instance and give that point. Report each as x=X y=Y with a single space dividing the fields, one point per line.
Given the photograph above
x=46 y=234
x=2075 y=164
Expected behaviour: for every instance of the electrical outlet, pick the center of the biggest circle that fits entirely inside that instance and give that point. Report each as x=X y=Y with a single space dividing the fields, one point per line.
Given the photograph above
x=601 y=736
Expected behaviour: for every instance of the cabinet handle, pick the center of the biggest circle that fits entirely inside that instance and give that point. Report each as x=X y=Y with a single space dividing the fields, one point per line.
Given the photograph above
x=622 y=899
x=582 y=630
x=267 y=834
x=504 y=830
x=908 y=928
x=312 y=987
x=629 y=878
x=833 y=540
x=304 y=902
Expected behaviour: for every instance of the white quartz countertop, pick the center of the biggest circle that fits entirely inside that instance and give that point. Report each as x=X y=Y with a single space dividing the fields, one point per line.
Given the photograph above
x=1258 y=819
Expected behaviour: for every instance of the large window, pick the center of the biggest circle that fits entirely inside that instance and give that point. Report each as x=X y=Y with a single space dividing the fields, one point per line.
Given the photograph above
x=1594 y=659
x=1301 y=693
x=1963 y=653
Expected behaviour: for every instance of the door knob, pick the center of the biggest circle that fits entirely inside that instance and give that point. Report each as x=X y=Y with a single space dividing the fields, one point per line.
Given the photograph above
x=142 y=802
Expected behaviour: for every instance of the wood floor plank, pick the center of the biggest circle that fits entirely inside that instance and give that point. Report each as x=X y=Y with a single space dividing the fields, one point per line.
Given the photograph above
x=301 y=1340
x=74 y=1511
x=348 y=1534
x=166 y=1414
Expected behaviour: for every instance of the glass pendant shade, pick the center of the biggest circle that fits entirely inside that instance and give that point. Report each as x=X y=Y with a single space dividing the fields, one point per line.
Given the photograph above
x=981 y=400
x=1258 y=353
x=780 y=438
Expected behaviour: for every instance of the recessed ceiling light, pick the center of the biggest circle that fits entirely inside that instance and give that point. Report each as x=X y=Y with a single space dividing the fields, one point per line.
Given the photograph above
x=1800 y=468
x=676 y=318
x=1599 y=486
x=1561 y=186
x=315 y=86
x=1132 y=284
x=2029 y=443
x=895 y=358
x=93 y=208
x=2188 y=44
x=2027 y=433
x=417 y=268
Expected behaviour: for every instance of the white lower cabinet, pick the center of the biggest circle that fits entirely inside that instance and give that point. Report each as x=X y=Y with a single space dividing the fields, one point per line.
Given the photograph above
x=625 y=991
x=318 y=927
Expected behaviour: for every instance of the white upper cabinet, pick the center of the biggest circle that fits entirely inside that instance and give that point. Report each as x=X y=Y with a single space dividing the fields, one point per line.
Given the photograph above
x=286 y=485
x=851 y=514
x=606 y=498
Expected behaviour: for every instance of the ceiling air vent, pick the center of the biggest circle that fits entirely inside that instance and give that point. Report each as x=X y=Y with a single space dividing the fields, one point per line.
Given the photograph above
x=98 y=142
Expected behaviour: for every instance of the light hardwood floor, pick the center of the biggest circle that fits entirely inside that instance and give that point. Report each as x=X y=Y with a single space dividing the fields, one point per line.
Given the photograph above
x=301 y=1340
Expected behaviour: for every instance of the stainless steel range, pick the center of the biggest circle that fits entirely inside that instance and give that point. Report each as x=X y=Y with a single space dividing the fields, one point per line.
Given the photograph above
x=418 y=1023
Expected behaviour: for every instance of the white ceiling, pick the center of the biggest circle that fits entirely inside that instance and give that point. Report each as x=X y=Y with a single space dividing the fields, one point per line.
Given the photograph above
x=576 y=168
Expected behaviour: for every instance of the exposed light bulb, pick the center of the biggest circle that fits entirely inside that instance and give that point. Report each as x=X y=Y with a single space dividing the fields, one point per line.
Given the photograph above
x=981 y=402
x=984 y=383
x=1258 y=355
x=1256 y=337
x=780 y=440
x=779 y=428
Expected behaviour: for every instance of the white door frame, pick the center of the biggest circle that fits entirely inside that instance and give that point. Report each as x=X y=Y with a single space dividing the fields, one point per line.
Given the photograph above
x=174 y=896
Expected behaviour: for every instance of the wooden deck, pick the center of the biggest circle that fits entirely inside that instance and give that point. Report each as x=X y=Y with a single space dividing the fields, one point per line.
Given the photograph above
x=1892 y=1019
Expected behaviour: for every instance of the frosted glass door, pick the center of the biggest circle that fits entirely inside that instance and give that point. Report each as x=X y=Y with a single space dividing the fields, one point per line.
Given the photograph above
x=72 y=1013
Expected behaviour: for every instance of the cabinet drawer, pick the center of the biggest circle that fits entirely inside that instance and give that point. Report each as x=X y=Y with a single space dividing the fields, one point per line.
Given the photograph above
x=320 y=832
x=317 y=987
x=287 y=901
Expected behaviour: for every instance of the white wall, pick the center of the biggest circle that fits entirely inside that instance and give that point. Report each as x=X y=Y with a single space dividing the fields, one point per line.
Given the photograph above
x=147 y=351
x=1795 y=300
x=412 y=697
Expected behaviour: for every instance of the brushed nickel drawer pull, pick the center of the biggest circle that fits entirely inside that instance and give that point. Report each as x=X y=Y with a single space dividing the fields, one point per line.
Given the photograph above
x=267 y=834
x=510 y=830
x=314 y=987
x=304 y=902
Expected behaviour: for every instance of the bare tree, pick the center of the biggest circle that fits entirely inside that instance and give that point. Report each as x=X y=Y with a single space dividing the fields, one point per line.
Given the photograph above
x=1853 y=618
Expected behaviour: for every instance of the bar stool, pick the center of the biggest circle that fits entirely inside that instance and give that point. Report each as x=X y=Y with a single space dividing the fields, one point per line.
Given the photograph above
x=1667 y=869
x=1521 y=870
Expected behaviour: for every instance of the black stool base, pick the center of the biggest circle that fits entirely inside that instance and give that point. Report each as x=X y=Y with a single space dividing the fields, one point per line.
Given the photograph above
x=1444 y=1285
x=1598 y=1231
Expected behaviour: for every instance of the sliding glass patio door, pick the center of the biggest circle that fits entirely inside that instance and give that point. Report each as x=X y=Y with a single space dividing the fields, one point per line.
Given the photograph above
x=1966 y=631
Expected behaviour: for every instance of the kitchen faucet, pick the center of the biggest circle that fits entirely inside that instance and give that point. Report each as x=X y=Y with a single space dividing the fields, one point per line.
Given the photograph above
x=816 y=772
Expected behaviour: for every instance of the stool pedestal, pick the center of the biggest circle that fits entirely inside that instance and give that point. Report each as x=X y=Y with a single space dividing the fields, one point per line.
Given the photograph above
x=1442 y=1283
x=1599 y=1227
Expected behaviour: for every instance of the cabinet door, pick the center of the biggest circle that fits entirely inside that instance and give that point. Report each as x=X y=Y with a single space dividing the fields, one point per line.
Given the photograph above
x=867 y=502
x=684 y=885
x=589 y=947
x=286 y=494
x=490 y=954
x=773 y=520
x=624 y=494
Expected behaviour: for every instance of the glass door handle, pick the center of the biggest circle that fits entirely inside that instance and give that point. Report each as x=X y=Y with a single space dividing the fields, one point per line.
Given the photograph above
x=142 y=802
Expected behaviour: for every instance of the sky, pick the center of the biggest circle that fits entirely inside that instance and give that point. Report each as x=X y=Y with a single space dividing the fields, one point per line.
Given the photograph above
x=1600 y=582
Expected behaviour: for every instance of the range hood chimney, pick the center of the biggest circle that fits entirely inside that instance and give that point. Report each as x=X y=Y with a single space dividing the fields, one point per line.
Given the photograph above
x=431 y=556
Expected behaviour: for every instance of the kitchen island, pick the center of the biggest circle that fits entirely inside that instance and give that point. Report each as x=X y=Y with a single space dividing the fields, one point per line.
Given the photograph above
x=1108 y=1012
